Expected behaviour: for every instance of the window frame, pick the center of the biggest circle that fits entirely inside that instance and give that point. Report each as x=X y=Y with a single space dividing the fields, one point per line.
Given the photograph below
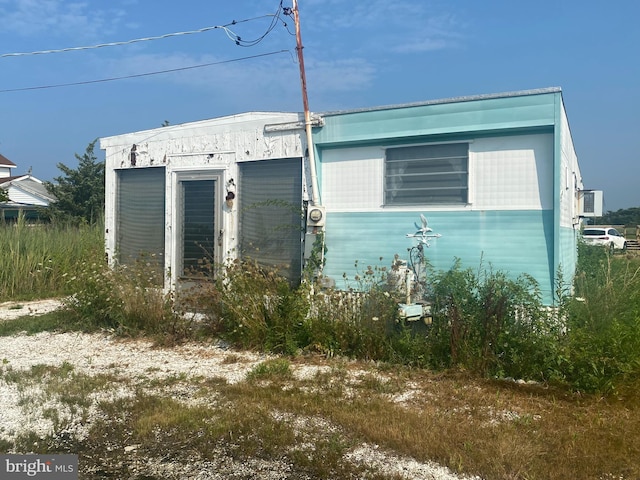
x=289 y=260
x=185 y=176
x=127 y=254
x=465 y=197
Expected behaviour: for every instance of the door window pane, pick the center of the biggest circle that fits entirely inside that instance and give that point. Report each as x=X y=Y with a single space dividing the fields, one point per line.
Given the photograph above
x=198 y=225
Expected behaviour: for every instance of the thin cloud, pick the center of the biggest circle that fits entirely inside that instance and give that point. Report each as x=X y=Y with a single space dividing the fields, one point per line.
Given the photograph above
x=57 y=18
x=271 y=82
x=344 y=14
x=433 y=33
x=255 y=83
x=341 y=75
x=384 y=26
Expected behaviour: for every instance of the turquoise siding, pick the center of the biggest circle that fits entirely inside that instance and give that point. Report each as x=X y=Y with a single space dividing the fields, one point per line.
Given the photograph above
x=557 y=184
x=568 y=254
x=512 y=241
x=489 y=114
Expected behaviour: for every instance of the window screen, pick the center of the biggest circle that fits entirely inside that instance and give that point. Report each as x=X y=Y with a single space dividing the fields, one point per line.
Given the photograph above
x=427 y=174
x=140 y=216
x=270 y=196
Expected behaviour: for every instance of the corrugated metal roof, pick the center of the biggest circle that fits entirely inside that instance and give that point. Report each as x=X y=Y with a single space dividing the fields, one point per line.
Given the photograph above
x=261 y=115
x=470 y=98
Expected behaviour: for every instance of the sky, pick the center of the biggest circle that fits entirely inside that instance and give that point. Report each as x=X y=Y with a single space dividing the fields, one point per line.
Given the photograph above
x=357 y=54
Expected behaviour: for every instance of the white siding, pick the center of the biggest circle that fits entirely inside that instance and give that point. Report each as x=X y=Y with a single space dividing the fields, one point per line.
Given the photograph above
x=243 y=135
x=512 y=173
x=571 y=179
x=505 y=173
x=18 y=195
x=352 y=179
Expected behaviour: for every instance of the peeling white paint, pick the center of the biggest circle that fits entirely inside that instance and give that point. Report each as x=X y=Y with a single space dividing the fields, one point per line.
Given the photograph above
x=206 y=147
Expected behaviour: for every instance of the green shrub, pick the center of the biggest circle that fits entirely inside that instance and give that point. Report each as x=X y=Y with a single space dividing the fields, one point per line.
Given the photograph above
x=254 y=307
x=488 y=323
x=356 y=322
x=277 y=368
x=125 y=299
x=250 y=306
x=352 y=323
x=410 y=349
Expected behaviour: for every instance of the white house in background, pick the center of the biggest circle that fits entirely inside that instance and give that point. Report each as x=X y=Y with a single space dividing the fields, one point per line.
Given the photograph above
x=5 y=167
x=27 y=194
x=497 y=175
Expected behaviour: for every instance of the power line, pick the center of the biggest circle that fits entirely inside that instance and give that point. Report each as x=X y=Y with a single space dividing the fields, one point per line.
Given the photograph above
x=147 y=74
x=230 y=34
x=113 y=44
x=274 y=22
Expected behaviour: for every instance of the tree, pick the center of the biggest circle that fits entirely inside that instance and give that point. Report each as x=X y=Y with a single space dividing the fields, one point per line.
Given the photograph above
x=80 y=192
x=625 y=216
x=4 y=196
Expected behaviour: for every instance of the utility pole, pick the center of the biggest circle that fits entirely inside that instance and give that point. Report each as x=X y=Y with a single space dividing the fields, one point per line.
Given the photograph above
x=315 y=197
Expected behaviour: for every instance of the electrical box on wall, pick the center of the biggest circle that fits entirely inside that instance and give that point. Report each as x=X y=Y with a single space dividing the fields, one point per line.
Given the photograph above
x=316 y=216
x=590 y=203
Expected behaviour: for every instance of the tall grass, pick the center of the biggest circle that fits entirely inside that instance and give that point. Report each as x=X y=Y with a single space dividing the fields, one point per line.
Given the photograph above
x=36 y=259
x=256 y=308
x=601 y=350
x=483 y=321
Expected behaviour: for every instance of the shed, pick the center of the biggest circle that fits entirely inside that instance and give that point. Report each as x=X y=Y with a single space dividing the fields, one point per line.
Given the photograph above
x=188 y=195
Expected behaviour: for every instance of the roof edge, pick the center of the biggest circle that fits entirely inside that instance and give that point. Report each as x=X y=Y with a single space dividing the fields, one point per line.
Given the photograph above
x=5 y=162
x=258 y=116
x=468 y=98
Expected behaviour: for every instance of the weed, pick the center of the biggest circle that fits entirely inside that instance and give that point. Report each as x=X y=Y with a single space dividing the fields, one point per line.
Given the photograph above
x=58 y=320
x=277 y=368
x=126 y=300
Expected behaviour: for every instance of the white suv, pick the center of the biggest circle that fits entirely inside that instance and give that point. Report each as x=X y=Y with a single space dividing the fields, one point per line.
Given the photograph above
x=606 y=236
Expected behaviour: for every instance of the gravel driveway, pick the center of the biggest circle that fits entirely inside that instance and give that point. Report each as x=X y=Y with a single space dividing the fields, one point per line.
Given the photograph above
x=139 y=360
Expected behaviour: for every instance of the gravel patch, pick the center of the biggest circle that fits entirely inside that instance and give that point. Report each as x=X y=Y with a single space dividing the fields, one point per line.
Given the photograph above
x=140 y=361
x=12 y=310
x=136 y=359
